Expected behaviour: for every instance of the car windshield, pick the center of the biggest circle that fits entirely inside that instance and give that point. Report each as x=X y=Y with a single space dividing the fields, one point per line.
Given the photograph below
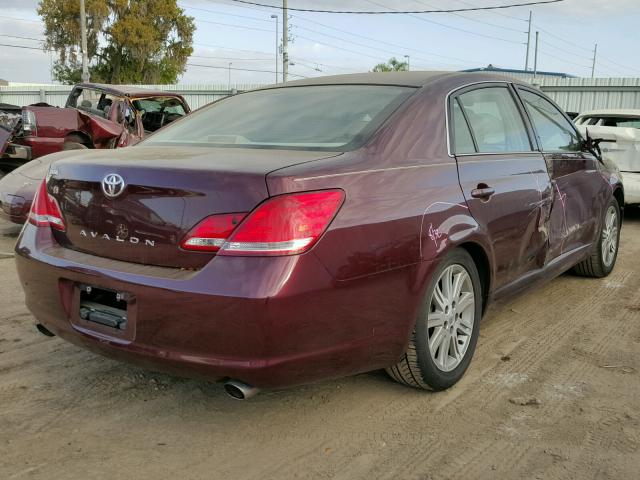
x=624 y=122
x=309 y=117
x=159 y=104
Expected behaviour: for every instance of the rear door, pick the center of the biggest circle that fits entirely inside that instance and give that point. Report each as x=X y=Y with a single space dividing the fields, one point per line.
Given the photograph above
x=575 y=175
x=504 y=180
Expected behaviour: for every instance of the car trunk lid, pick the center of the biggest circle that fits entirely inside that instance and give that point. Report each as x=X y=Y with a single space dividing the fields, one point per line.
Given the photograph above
x=167 y=191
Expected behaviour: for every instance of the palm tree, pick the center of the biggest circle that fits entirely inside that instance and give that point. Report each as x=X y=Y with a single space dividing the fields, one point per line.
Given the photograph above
x=393 y=65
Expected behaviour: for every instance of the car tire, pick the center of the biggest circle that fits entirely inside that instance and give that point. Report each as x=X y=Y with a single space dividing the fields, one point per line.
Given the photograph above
x=602 y=260
x=427 y=364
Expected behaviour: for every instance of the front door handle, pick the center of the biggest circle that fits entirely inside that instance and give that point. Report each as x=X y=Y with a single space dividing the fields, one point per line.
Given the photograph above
x=483 y=192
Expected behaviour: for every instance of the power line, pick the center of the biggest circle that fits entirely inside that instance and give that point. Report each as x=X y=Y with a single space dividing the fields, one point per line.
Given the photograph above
x=26 y=48
x=22 y=38
x=410 y=14
x=356 y=12
x=234 y=58
x=495 y=25
x=395 y=45
x=497 y=12
x=239 y=69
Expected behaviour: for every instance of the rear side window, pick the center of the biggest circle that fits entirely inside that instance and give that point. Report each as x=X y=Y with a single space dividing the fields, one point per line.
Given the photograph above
x=462 y=139
x=555 y=133
x=495 y=120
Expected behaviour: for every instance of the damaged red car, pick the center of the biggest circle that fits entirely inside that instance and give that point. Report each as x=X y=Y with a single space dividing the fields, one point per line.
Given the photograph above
x=95 y=117
x=319 y=229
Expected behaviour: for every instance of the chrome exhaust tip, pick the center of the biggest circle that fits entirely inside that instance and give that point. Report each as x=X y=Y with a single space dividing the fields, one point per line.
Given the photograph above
x=239 y=390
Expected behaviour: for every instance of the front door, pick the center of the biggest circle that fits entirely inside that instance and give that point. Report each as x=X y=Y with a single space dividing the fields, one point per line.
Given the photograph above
x=505 y=181
x=575 y=176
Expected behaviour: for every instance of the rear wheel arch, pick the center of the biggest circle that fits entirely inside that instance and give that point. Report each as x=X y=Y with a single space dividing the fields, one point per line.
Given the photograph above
x=618 y=194
x=79 y=137
x=481 y=260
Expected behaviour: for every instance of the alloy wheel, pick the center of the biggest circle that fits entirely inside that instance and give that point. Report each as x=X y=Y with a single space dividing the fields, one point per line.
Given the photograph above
x=451 y=317
x=610 y=236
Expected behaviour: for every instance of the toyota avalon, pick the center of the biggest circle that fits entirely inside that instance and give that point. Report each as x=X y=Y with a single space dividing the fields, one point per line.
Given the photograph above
x=319 y=229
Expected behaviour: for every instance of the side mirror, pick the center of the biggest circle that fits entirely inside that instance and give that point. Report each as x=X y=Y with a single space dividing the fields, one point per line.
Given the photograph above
x=592 y=145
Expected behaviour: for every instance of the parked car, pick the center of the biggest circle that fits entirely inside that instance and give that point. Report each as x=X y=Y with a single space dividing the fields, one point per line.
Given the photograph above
x=322 y=228
x=95 y=116
x=619 y=131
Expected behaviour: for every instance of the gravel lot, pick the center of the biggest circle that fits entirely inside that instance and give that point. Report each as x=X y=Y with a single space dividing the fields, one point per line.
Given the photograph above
x=552 y=393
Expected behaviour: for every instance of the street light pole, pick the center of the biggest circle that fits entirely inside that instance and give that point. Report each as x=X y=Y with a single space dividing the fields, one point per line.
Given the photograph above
x=535 y=57
x=526 y=61
x=285 y=42
x=277 y=44
x=83 y=42
x=230 y=77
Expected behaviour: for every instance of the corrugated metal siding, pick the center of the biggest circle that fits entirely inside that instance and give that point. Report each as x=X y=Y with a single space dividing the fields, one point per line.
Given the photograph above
x=196 y=95
x=572 y=94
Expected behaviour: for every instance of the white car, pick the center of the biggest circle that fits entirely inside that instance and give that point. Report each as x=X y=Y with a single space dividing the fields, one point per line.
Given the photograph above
x=620 y=134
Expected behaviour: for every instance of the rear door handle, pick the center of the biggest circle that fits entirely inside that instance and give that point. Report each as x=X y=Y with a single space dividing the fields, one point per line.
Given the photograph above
x=482 y=193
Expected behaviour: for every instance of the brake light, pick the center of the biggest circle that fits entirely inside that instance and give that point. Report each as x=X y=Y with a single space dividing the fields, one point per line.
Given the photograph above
x=29 y=126
x=45 y=211
x=210 y=234
x=285 y=225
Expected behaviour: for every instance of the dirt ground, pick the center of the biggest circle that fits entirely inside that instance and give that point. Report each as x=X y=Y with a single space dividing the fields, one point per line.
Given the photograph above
x=569 y=351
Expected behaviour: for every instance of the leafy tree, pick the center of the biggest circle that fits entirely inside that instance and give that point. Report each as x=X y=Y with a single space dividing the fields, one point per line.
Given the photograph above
x=128 y=41
x=393 y=65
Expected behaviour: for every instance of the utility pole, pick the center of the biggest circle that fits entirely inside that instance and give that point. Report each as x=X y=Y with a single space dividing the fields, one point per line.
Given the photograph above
x=593 y=67
x=535 y=57
x=277 y=45
x=526 y=62
x=285 y=41
x=83 y=42
x=230 y=77
x=408 y=62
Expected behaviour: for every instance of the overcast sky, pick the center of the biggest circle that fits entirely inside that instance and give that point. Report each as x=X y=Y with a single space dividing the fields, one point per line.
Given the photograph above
x=340 y=43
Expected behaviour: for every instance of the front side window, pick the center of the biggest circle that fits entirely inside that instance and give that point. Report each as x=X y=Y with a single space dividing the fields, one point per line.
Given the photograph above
x=495 y=121
x=555 y=133
x=93 y=101
x=338 y=117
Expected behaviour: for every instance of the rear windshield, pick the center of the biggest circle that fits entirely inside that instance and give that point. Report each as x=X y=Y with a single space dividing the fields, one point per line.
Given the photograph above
x=332 y=117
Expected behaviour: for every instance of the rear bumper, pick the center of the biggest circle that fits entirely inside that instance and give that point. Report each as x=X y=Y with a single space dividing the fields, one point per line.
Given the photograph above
x=268 y=322
x=631 y=182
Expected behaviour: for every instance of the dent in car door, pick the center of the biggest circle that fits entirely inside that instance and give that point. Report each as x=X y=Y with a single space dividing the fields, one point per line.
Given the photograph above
x=578 y=186
x=505 y=183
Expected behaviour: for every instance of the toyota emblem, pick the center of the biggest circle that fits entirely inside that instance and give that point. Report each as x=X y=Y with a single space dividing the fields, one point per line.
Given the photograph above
x=113 y=185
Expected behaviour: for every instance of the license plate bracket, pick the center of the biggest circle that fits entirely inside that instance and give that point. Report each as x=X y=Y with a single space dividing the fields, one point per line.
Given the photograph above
x=103 y=306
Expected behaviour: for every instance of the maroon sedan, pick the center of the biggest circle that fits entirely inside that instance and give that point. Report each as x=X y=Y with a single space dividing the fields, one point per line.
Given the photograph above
x=319 y=229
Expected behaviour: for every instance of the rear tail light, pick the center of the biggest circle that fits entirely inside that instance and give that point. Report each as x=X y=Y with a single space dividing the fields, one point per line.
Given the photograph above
x=284 y=225
x=29 y=123
x=210 y=234
x=45 y=211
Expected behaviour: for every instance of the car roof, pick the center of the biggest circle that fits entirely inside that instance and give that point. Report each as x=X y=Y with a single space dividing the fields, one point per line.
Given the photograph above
x=406 y=79
x=615 y=112
x=127 y=90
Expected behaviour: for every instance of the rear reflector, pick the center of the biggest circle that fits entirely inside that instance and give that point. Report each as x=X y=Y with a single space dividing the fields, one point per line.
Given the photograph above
x=285 y=225
x=45 y=211
x=210 y=234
